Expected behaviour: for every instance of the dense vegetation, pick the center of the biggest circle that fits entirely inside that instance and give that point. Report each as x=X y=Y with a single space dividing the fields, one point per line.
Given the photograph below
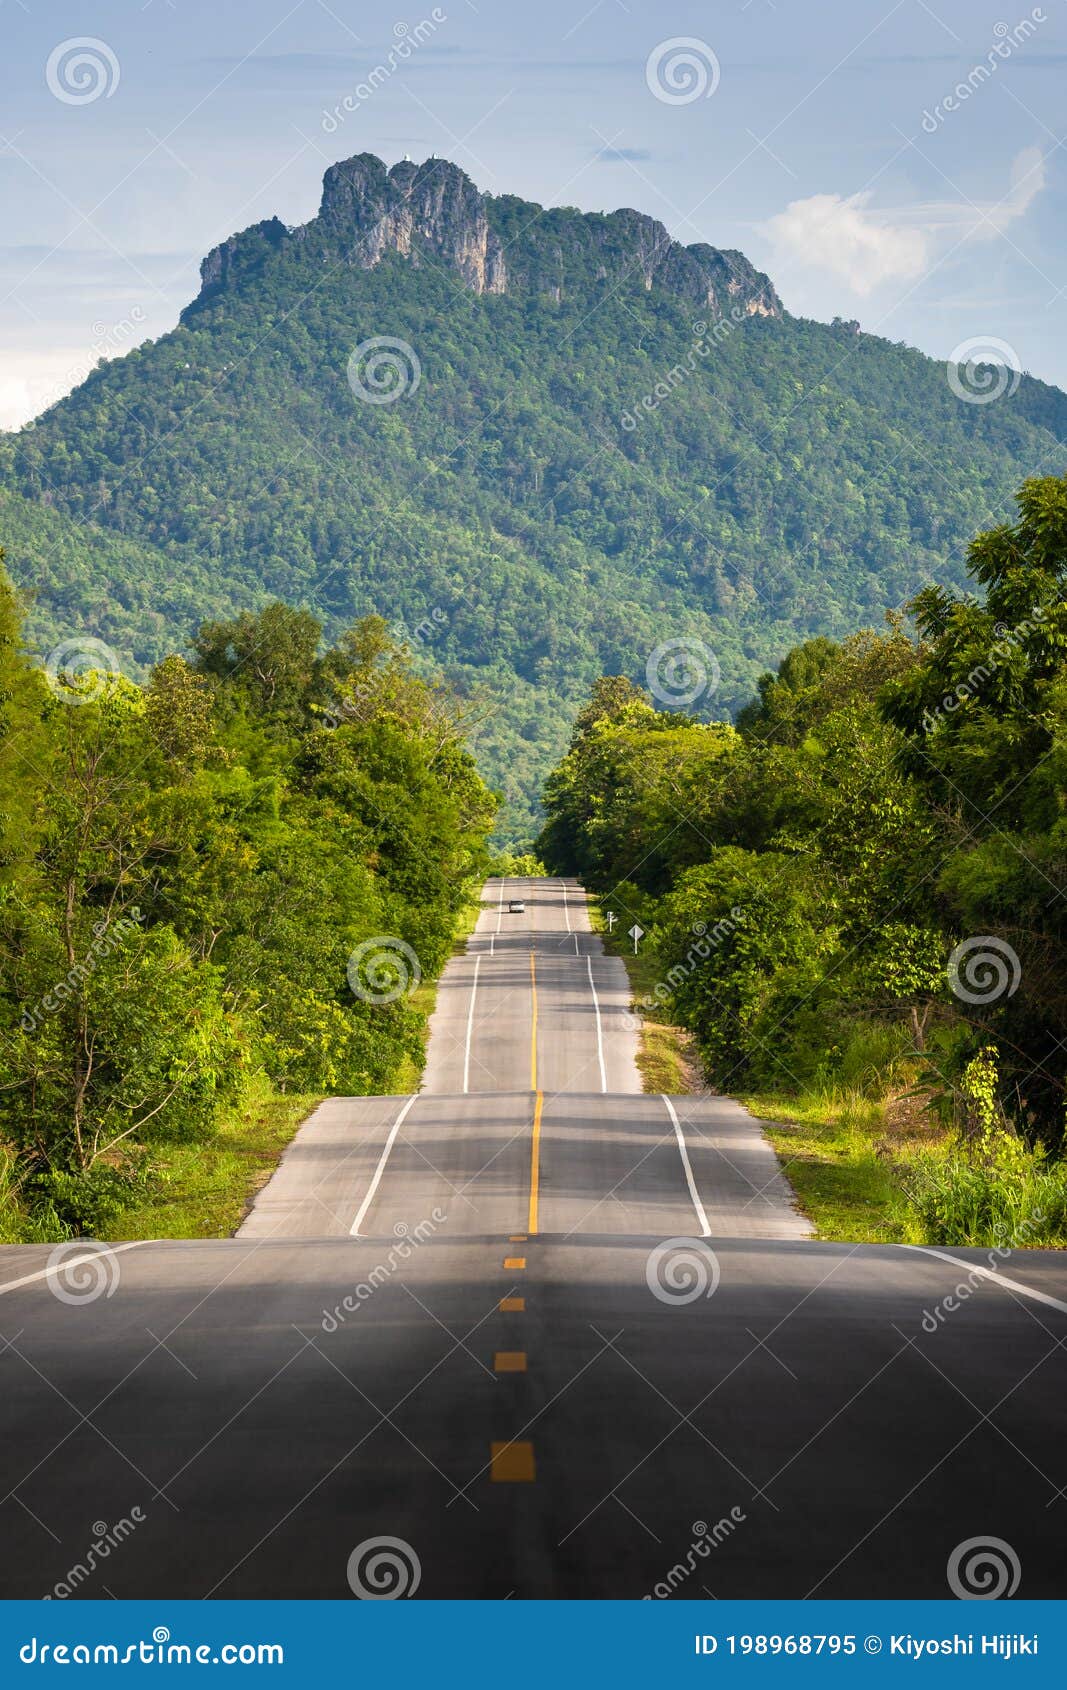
x=861 y=884
x=797 y=481
x=226 y=878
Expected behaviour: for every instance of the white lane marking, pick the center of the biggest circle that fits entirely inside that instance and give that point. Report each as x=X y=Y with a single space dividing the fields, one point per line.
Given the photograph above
x=566 y=906
x=990 y=1273
x=69 y=1262
x=599 y=1027
x=577 y=952
x=470 y=1027
x=353 y=1230
x=705 y=1229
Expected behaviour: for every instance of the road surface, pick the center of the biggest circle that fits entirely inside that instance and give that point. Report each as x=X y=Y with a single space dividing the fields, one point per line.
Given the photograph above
x=550 y=1336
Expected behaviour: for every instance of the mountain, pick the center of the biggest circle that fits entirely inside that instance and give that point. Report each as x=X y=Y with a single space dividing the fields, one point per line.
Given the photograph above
x=579 y=441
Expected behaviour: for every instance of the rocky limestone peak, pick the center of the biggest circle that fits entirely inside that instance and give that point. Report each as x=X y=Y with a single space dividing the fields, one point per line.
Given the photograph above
x=433 y=213
x=429 y=208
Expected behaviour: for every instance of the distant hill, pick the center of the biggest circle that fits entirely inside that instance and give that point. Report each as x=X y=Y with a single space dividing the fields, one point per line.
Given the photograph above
x=609 y=441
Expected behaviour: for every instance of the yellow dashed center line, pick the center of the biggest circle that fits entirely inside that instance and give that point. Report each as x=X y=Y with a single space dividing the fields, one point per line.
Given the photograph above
x=513 y=1305
x=535 y=1164
x=509 y=1361
x=514 y=1263
x=511 y=1463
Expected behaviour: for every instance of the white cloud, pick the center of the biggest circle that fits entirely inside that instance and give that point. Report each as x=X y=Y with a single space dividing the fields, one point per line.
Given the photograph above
x=849 y=238
x=842 y=236
x=31 y=381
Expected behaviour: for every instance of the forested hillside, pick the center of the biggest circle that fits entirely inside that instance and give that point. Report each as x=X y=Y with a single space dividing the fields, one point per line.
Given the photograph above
x=595 y=441
x=221 y=884
x=862 y=884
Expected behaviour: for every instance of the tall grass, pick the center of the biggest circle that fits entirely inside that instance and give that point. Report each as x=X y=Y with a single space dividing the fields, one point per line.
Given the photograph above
x=17 y=1225
x=957 y=1198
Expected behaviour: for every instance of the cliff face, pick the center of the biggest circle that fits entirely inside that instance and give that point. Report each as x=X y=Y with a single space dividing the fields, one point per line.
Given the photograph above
x=433 y=213
x=412 y=209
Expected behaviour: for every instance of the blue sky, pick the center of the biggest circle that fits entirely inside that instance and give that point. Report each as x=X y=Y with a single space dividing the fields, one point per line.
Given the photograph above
x=825 y=139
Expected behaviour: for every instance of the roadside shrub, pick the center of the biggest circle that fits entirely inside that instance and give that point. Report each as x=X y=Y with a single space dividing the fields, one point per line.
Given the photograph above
x=1009 y=1196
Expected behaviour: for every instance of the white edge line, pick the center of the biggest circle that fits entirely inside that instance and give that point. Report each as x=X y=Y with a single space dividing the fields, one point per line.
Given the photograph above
x=71 y=1262
x=599 y=1028
x=990 y=1273
x=353 y=1230
x=470 y=1028
x=705 y=1229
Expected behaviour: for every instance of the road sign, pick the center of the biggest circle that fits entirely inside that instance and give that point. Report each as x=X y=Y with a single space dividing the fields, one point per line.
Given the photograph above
x=635 y=934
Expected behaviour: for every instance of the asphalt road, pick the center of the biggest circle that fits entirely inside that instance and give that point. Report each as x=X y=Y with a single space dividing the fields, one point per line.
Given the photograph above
x=550 y=1338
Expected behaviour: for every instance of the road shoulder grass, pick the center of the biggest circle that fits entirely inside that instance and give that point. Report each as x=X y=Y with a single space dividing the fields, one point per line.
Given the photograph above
x=205 y=1190
x=841 y=1154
